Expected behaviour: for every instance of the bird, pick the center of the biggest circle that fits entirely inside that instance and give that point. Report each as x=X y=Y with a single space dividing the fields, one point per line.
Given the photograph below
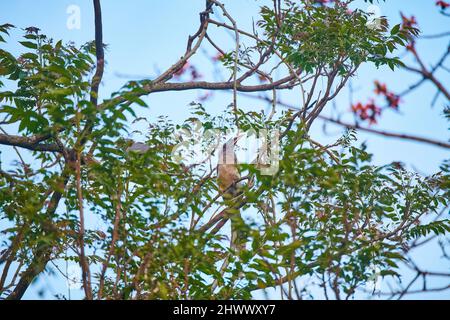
x=230 y=187
x=137 y=147
x=227 y=171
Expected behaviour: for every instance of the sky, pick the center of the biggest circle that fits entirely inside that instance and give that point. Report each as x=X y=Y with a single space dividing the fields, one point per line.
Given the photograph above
x=145 y=37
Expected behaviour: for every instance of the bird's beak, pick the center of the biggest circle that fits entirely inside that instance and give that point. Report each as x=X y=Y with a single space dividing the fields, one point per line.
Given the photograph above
x=238 y=137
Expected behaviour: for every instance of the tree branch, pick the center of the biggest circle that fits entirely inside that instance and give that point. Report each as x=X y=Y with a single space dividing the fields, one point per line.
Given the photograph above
x=438 y=143
x=30 y=143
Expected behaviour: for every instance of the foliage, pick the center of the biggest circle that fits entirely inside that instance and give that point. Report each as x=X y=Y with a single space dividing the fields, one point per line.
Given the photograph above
x=320 y=36
x=327 y=212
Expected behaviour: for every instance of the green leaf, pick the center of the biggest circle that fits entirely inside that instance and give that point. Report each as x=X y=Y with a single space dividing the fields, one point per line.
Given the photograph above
x=395 y=29
x=28 y=44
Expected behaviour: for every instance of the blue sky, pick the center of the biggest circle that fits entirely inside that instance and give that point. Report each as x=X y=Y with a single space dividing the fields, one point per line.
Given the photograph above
x=146 y=36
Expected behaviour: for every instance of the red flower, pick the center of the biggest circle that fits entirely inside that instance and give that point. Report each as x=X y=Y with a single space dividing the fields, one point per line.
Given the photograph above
x=368 y=112
x=408 y=22
x=373 y=112
x=380 y=88
x=444 y=5
x=393 y=100
x=357 y=107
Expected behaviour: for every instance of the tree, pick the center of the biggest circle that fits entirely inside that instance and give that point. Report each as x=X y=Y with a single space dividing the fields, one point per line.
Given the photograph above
x=311 y=211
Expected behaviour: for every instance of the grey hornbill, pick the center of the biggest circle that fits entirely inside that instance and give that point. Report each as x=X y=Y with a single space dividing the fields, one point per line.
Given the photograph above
x=230 y=187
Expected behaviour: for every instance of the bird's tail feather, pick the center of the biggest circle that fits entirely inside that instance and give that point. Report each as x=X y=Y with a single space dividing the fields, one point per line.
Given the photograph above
x=237 y=241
